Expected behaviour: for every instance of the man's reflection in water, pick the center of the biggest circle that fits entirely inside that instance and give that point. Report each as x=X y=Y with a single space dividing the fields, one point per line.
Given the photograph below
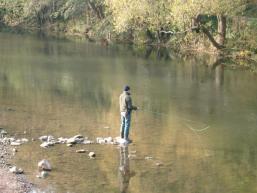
x=124 y=170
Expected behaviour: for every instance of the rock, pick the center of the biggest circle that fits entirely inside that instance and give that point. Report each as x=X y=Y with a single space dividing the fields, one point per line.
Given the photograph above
x=24 y=140
x=3 y=132
x=47 y=144
x=91 y=154
x=158 y=164
x=14 y=150
x=50 y=138
x=11 y=139
x=15 y=170
x=43 y=174
x=62 y=140
x=10 y=109
x=76 y=139
x=148 y=158
x=121 y=141
x=81 y=151
x=107 y=140
x=100 y=140
x=69 y=145
x=44 y=165
x=71 y=141
x=87 y=142
x=14 y=143
x=131 y=156
x=43 y=138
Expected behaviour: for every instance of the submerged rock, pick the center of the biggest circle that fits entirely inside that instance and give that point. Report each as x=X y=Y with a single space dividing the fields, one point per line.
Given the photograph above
x=43 y=174
x=44 y=165
x=159 y=164
x=91 y=154
x=148 y=158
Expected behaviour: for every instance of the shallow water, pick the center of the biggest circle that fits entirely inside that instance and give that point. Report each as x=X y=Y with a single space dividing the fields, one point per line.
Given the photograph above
x=198 y=120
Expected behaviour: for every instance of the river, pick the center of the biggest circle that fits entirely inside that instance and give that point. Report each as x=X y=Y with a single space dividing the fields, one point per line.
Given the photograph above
x=197 y=122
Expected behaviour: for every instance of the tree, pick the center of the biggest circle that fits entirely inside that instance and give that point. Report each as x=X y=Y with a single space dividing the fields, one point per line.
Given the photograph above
x=189 y=12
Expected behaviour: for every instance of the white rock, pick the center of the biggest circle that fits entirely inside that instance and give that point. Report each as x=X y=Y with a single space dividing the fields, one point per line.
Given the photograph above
x=14 y=150
x=43 y=138
x=87 y=142
x=148 y=158
x=69 y=145
x=15 y=170
x=78 y=138
x=50 y=138
x=91 y=154
x=71 y=140
x=43 y=174
x=132 y=156
x=62 y=140
x=24 y=140
x=81 y=151
x=108 y=140
x=14 y=143
x=44 y=165
x=159 y=164
x=47 y=144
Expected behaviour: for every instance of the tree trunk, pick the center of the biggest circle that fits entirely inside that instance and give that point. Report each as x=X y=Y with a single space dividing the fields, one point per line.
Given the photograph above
x=222 y=25
x=96 y=9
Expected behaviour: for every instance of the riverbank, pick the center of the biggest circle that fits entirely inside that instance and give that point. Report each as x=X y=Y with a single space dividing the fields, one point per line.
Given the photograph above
x=10 y=182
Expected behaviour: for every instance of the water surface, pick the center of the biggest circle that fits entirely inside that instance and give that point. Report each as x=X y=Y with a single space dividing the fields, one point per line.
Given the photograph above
x=197 y=119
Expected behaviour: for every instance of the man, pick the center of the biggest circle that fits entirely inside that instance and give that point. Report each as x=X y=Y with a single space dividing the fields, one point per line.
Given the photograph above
x=126 y=108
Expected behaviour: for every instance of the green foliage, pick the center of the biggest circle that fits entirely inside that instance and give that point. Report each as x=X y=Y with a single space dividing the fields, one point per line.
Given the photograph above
x=144 y=14
x=131 y=20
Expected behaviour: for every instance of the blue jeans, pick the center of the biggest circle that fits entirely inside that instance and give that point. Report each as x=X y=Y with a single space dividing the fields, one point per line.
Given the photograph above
x=125 y=125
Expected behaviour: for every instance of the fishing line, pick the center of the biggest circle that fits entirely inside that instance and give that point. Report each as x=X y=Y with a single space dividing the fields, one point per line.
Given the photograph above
x=181 y=118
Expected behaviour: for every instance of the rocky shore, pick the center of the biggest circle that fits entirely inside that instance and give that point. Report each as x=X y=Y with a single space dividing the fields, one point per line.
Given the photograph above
x=11 y=182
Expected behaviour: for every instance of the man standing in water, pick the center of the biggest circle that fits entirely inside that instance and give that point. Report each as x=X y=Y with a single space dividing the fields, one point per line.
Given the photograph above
x=126 y=108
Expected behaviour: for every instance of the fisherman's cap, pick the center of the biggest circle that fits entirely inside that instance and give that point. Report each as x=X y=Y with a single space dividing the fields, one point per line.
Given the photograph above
x=126 y=88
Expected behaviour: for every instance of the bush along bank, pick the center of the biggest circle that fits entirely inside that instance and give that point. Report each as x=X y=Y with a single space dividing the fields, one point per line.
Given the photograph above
x=182 y=26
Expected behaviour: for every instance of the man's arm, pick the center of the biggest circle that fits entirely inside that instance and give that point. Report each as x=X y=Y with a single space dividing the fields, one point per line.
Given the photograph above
x=130 y=107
